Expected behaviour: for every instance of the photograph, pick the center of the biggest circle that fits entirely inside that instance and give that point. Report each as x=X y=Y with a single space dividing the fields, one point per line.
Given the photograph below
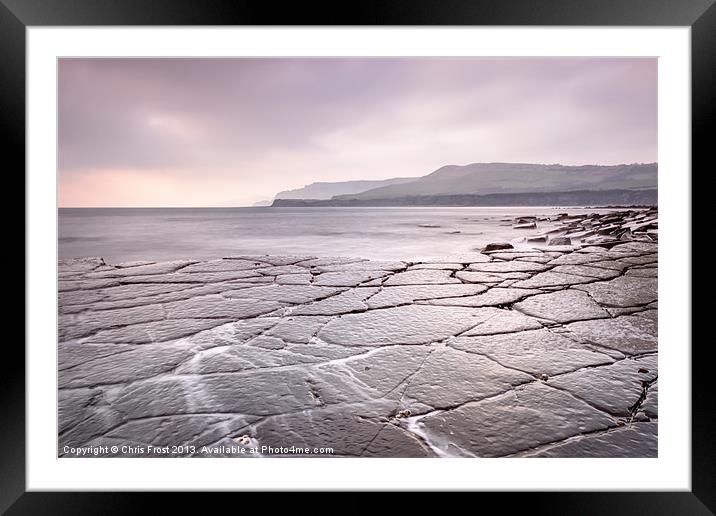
x=375 y=257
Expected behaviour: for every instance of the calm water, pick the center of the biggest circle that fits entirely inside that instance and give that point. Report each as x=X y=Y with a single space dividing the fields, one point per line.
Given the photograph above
x=122 y=234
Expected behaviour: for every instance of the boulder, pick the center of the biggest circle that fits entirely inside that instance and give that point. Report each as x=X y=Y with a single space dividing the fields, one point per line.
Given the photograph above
x=496 y=246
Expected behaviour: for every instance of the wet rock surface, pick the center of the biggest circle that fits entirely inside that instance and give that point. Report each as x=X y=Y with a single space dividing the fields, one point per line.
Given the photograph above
x=605 y=229
x=549 y=351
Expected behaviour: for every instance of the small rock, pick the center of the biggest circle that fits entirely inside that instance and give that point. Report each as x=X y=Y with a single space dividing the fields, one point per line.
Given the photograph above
x=643 y=371
x=244 y=440
x=560 y=241
x=526 y=225
x=537 y=238
x=403 y=414
x=496 y=246
x=543 y=376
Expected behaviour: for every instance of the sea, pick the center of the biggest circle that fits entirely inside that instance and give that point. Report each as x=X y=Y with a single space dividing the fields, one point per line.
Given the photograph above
x=380 y=233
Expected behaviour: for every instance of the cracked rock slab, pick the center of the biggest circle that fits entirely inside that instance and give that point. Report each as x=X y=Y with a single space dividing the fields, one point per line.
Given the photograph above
x=632 y=334
x=413 y=324
x=194 y=277
x=552 y=279
x=382 y=373
x=259 y=353
x=154 y=332
x=349 y=435
x=140 y=295
x=634 y=440
x=494 y=320
x=299 y=329
x=128 y=366
x=95 y=422
x=422 y=277
x=563 y=306
x=586 y=270
x=623 y=291
x=196 y=430
x=363 y=265
x=85 y=284
x=297 y=294
x=294 y=279
x=393 y=296
x=489 y=277
x=614 y=388
x=75 y=405
x=254 y=392
x=444 y=266
x=348 y=279
x=496 y=296
x=507 y=266
x=450 y=377
x=75 y=326
x=140 y=270
x=535 y=351
x=224 y=265
x=642 y=273
x=266 y=259
x=218 y=307
x=71 y=355
x=524 y=418
x=353 y=300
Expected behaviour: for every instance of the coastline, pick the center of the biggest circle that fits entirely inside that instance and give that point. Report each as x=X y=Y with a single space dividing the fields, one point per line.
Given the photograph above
x=550 y=351
x=574 y=198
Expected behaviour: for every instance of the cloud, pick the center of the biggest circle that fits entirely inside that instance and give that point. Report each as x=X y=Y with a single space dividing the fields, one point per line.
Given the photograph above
x=212 y=131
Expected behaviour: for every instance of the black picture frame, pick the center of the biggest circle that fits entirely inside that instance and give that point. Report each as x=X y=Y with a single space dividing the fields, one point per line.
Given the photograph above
x=700 y=15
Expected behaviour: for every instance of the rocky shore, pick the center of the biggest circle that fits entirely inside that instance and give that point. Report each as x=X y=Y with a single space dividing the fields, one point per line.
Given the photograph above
x=605 y=230
x=543 y=352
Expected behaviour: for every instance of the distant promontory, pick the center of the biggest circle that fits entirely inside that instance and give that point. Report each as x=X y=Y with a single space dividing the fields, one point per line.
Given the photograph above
x=494 y=184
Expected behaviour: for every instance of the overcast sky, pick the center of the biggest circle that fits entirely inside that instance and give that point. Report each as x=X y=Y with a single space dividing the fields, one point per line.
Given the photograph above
x=228 y=132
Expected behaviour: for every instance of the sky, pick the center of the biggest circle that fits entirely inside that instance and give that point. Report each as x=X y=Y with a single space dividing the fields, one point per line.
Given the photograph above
x=230 y=132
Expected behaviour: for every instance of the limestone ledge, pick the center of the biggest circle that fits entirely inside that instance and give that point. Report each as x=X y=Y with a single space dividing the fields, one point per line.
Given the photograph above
x=543 y=352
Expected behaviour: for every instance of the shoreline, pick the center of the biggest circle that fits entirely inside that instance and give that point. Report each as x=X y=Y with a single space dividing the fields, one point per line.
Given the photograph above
x=544 y=352
x=573 y=198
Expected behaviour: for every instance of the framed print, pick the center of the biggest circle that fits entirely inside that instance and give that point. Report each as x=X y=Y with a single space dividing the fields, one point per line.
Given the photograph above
x=414 y=249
